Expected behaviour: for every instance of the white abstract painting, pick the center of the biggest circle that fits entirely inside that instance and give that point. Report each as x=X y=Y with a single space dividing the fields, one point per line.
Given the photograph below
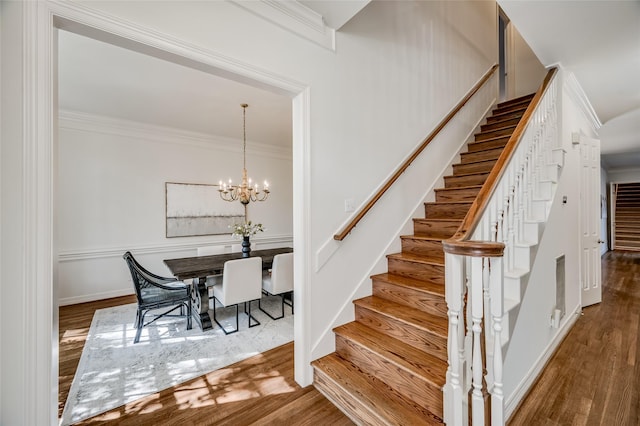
x=197 y=209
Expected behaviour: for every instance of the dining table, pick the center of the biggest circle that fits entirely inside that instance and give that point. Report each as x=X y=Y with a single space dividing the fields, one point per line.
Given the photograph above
x=198 y=268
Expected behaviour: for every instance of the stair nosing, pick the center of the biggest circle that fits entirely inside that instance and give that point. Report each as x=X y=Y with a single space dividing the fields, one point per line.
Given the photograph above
x=416 y=258
x=459 y=188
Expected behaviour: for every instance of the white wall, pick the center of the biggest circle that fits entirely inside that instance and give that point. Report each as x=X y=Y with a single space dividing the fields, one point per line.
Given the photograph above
x=534 y=339
x=624 y=175
x=604 y=215
x=525 y=71
x=111 y=198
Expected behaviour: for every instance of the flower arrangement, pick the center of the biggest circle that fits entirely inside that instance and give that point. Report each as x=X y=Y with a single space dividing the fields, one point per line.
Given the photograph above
x=246 y=229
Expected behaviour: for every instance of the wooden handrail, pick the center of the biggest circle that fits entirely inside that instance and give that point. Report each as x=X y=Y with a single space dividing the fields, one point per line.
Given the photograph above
x=459 y=243
x=363 y=211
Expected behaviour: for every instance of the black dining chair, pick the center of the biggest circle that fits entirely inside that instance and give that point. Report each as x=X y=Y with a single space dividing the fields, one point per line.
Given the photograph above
x=156 y=292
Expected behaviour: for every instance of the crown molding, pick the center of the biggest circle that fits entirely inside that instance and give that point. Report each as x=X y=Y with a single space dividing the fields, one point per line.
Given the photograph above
x=294 y=17
x=92 y=123
x=577 y=94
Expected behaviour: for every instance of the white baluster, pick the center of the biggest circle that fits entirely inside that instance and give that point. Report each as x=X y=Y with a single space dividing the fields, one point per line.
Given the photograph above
x=454 y=296
x=497 y=311
x=477 y=397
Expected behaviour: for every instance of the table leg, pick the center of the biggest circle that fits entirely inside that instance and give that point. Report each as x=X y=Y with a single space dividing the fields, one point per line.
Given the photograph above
x=200 y=303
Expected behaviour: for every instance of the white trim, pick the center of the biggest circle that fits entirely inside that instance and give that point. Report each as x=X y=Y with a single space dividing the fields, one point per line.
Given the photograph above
x=38 y=325
x=525 y=384
x=96 y=296
x=98 y=253
x=92 y=123
x=294 y=17
x=577 y=94
x=302 y=236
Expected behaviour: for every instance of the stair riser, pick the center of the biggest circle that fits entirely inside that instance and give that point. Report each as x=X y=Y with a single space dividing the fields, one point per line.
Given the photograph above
x=435 y=229
x=521 y=106
x=464 y=169
x=494 y=133
x=500 y=117
x=416 y=270
x=488 y=144
x=462 y=181
x=509 y=121
x=433 y=249
x=350 y=406
x=410 y=386
x=446 y=210
x=428 y=302
x=472 y=157
x=516 y=101
x=466 y=194
x=414 y=336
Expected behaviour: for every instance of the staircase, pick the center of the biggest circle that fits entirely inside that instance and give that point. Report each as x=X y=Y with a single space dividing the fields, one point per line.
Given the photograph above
x=627 y=227
x=390 y=364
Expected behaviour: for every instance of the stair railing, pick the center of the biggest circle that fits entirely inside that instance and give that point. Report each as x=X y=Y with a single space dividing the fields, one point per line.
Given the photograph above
x=479 y=253
x=341 y=235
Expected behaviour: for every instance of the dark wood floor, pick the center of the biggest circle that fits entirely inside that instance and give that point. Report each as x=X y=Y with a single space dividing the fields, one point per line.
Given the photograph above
x=593 y=379
x=594 y=376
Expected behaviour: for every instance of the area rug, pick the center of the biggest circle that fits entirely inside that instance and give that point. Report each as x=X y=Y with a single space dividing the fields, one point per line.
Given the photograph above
x=113 y=371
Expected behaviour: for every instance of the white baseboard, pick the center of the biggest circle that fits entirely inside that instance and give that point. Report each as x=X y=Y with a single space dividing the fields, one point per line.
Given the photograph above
x=93 y=297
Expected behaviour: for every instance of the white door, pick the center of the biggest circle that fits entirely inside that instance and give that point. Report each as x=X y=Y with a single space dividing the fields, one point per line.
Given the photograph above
x=590 y=241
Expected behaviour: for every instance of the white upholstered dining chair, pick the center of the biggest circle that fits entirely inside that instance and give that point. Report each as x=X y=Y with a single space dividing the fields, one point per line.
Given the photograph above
x=279 y=281
x=241 y=282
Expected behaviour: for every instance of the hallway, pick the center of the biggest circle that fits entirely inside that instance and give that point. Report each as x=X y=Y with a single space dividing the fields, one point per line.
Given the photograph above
x=594 y=377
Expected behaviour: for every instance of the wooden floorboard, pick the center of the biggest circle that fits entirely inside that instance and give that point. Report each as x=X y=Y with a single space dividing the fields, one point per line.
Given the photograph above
x=258 y=391
x=594 y=376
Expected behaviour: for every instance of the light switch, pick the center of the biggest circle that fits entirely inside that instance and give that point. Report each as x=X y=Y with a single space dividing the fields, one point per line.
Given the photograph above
x=348 y=205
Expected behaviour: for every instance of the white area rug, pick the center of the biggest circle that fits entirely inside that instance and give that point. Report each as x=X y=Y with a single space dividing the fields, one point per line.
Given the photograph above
x=113 y=371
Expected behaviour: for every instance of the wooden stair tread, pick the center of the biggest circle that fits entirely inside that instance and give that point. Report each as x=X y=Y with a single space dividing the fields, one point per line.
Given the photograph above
x=404 y=356
x=417 y=258
x=421 y=237
x=403 y=281
x=380 y=402
x=460 y=188
x=413 y=317
x=467 y=163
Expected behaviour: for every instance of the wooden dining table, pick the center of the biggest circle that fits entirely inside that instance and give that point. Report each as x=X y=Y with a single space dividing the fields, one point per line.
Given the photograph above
x=198 y=268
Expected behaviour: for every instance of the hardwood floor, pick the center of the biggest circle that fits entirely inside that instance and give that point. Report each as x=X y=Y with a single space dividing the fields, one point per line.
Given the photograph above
x=593 y=379
x=258 y=391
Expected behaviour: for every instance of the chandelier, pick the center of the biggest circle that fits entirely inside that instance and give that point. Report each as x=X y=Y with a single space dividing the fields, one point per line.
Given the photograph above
x=246 y=191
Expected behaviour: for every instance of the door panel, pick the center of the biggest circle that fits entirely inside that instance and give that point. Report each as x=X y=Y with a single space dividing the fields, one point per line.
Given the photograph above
x=590 y=275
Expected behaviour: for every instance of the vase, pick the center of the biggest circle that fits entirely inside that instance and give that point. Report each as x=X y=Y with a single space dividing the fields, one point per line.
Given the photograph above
x=246 y=246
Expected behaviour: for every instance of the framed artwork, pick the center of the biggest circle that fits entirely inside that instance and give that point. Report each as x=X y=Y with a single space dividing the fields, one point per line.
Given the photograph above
x=194 y=209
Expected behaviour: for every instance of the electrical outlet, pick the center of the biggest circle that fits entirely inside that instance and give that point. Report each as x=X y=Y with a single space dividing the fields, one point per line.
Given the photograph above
x=348 y=205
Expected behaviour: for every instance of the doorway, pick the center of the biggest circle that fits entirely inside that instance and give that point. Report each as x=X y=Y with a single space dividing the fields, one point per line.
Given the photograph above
x=503 y=32
x=39 y=169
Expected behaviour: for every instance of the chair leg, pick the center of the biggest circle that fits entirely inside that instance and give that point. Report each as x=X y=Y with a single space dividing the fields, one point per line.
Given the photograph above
x=218 y=322
x=268 y=314
x=251 y=317
x=189 y=324
x=139 y=325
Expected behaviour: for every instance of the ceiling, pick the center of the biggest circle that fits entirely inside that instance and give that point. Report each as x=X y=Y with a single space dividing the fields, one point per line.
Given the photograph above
x=106 y=80
x=599 y=42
